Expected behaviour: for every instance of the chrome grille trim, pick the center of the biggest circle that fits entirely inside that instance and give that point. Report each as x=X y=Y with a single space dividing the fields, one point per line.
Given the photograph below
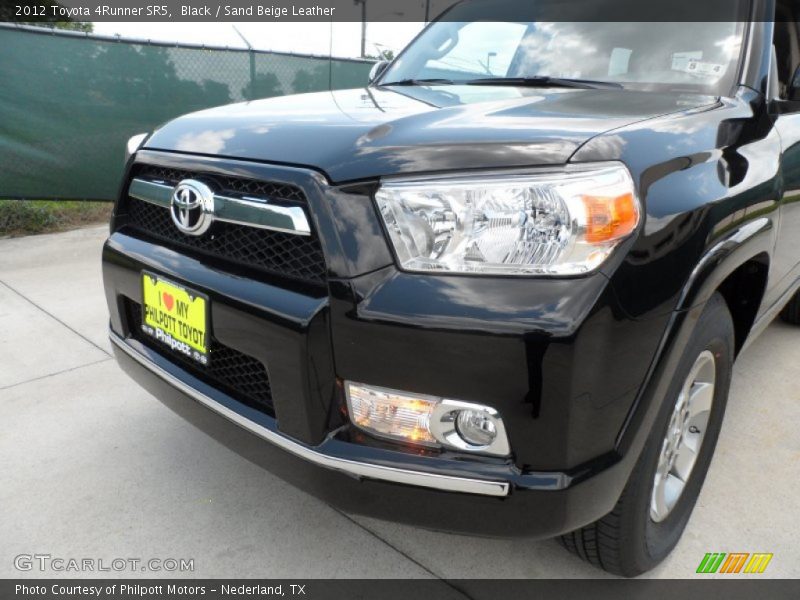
x=248 y=211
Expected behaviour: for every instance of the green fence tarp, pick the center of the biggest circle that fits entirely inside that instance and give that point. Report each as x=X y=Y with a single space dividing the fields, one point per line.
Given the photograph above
x=69 y=103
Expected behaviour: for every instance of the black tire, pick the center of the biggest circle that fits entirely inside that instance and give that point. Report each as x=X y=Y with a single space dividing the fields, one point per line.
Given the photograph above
x=628 y=541
x=791 y=313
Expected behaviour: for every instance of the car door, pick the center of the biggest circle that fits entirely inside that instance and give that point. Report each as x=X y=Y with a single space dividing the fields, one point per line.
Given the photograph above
x=785 y=108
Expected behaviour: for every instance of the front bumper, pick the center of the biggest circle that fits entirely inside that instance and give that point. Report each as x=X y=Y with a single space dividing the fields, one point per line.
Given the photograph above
x=267 y=430
x=361 y=481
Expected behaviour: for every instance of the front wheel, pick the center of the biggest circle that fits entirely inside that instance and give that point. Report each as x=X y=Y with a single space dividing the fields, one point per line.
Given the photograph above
x=657 y=501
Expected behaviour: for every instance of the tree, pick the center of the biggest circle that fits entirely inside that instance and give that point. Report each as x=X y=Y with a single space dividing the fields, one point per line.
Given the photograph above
x=314 y=80
x=265 y=85
x=386 y=54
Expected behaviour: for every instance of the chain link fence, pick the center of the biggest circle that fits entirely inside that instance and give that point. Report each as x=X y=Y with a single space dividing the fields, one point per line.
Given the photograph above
x=69 y=102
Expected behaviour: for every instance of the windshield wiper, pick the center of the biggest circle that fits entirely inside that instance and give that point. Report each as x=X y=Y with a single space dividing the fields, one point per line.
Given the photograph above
x=544 y=81
x=420 y=82
x=538 y=81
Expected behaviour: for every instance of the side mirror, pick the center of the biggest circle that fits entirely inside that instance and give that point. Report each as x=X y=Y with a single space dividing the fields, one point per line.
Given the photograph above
x=377 y=70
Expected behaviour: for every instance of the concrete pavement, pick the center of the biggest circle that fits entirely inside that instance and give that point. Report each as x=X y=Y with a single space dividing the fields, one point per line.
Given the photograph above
x=92 y=466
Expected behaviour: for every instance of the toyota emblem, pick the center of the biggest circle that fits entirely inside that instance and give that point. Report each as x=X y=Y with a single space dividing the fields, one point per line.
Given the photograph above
x=192 y=207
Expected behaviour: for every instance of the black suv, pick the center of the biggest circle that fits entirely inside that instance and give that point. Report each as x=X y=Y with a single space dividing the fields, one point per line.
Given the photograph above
x=499 y=290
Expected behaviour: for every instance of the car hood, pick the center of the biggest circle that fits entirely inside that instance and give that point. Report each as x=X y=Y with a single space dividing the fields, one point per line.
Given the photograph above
x=366 y=133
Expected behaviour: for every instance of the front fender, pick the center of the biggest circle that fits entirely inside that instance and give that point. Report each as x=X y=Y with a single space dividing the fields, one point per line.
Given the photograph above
x=750 y=240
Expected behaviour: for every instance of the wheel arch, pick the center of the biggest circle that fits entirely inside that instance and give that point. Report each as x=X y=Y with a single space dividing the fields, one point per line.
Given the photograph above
x=742 y=256
x=743 y=291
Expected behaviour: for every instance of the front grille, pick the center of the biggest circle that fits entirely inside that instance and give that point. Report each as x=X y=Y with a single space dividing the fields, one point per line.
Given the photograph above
x=231 y=186
x=295 y=256
x=235 y=373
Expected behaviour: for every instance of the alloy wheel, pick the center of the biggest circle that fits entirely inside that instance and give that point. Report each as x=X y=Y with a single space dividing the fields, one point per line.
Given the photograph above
x=684 y=436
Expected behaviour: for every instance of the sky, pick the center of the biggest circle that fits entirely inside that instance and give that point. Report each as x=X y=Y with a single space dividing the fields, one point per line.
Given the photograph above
x=303 y=38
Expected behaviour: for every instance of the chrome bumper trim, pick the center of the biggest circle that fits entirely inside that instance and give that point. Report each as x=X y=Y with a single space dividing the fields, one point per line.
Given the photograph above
x=359 y=469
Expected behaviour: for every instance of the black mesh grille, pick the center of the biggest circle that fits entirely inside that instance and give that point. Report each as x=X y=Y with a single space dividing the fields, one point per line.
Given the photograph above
x=236 y=186
x=295 y=256
x=238 y=374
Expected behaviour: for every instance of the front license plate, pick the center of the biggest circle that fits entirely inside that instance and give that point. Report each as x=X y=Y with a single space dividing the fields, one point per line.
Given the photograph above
x=175 y=316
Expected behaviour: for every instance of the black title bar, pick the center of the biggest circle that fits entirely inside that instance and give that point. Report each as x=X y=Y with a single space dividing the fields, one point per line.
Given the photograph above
x=732 y=588
x=383 y=10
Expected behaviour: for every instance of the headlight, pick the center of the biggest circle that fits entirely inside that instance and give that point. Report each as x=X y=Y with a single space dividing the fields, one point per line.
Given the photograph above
x=561 y=222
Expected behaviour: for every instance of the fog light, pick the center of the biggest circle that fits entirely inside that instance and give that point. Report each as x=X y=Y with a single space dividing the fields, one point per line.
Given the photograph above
x=475 y=427
x=426 y=420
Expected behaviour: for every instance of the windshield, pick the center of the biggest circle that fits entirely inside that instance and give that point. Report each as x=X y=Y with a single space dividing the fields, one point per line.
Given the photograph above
x=690 y=57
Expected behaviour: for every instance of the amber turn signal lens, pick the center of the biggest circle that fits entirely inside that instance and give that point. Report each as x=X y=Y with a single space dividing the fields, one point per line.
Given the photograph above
x=391 y=414
x=610 y=219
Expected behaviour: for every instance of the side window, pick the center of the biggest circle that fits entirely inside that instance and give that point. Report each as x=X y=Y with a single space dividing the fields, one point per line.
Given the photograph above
x=787 y=51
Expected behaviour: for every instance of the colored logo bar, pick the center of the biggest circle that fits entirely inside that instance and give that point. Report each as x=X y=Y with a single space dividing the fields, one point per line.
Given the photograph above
x=734 y=562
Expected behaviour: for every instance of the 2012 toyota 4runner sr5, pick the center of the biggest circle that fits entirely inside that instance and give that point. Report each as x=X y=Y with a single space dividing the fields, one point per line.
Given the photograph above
x=499 y=294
